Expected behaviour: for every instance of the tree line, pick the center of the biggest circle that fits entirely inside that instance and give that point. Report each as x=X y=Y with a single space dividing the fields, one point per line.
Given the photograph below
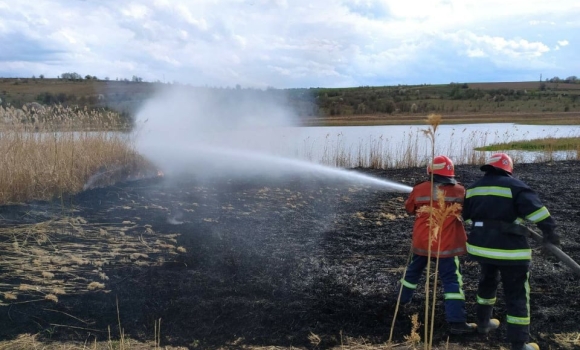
x=73 y=76
x=363 y=100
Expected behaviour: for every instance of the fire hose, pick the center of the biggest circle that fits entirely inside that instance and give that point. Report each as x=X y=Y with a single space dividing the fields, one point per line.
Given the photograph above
x=563 y=257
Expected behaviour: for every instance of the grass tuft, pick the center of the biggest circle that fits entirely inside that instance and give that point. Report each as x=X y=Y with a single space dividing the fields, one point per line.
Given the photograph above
x=95 y=286
x=413 y=339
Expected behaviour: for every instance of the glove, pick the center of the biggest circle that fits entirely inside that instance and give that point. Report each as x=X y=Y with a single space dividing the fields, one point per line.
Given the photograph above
x=554 y=239
x=551 y=237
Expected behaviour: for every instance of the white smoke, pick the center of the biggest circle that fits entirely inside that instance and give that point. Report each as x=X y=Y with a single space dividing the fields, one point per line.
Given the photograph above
x=180 y=128
x=237 y=133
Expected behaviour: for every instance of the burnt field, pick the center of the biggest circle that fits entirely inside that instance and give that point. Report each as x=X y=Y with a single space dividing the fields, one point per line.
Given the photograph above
x=286 y=261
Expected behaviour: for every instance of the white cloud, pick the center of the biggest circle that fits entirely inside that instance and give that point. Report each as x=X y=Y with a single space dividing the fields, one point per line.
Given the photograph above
x=136 y=11
x=477 y=52
x=68 y=36
x=284 y=43
x=199 y=23
x=541 y=22
x=497 y=48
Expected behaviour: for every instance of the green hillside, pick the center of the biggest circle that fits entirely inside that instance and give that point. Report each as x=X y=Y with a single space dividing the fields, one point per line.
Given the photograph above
x=555 y=102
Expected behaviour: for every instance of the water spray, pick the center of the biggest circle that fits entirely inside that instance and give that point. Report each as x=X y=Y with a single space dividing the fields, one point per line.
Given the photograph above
x=184 y=129
x=295 y=164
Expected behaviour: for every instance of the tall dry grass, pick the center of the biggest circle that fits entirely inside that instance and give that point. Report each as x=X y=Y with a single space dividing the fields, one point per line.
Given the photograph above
x=433 y=120
x=48 y=152
x=381 y=152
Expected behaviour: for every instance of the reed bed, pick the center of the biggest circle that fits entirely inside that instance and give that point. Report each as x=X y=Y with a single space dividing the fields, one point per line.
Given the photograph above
x=47 y=152
x=466 y=147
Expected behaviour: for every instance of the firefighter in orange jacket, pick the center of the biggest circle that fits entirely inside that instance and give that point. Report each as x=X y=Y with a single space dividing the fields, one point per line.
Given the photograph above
x=453 y=243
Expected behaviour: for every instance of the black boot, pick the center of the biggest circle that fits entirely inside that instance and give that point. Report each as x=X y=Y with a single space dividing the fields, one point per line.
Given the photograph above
x=525 y=346
x=491 y=325
x=462 y=328
x=485 y=323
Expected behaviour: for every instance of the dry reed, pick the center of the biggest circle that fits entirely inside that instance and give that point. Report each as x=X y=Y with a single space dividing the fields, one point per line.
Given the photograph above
x=438 y=214
x=382 y=152
x=413 y=339
x=53 y=151
x=67 y=255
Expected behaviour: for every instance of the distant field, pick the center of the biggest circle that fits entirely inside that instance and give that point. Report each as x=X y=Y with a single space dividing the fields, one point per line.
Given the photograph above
x=517 y=102
x=30 y=88
x=122 y=96
x=548 y=144
x=529 y=85
x=546 y=118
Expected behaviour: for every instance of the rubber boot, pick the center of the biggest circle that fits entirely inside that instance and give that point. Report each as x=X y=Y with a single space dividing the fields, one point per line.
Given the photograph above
x=492 y=325
x=485 y=323
x=526 y=346
x=462 y=328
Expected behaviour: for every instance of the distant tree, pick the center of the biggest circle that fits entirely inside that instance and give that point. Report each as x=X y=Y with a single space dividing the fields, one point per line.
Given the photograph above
x=136 y=79
x=71 y=76
x=41 y=76
x=389 y=107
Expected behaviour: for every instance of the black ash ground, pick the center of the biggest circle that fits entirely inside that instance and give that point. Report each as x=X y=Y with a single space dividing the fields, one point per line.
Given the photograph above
x=271 y=261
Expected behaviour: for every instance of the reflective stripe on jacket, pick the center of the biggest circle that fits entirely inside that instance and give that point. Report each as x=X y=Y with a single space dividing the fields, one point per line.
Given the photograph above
x=491 y=205
x=452 y=235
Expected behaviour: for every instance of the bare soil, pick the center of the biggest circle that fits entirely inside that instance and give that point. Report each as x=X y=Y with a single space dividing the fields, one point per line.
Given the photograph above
x=283 y=261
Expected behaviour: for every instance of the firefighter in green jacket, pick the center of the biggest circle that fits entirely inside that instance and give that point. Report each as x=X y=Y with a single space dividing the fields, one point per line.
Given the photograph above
x=495 y=206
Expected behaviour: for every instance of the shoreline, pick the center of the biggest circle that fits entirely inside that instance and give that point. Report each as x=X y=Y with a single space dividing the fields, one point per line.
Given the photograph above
x=529 y=118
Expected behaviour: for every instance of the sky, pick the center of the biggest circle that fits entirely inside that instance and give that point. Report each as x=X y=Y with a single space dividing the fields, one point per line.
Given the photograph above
x=292 y=44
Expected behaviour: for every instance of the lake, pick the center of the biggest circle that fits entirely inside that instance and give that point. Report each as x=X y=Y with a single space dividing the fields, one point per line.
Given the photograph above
x=391 y=146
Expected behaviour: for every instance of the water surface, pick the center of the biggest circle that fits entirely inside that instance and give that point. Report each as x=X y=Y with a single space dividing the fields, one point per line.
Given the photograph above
x=394 y=145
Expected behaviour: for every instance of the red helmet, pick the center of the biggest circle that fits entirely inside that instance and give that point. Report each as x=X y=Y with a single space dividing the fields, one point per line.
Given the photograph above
x=442 y=165
x=500 y=161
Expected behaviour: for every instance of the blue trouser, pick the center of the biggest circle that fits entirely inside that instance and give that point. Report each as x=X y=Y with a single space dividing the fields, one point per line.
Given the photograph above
x=450 y=274
x=516 y=288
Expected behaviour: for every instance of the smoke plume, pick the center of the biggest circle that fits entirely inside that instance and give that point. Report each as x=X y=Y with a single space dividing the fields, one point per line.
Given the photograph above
x=184 y=129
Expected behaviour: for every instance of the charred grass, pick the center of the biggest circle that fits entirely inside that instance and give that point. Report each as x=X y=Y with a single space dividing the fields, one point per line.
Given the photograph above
x=305 y=262
x=298 y=262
